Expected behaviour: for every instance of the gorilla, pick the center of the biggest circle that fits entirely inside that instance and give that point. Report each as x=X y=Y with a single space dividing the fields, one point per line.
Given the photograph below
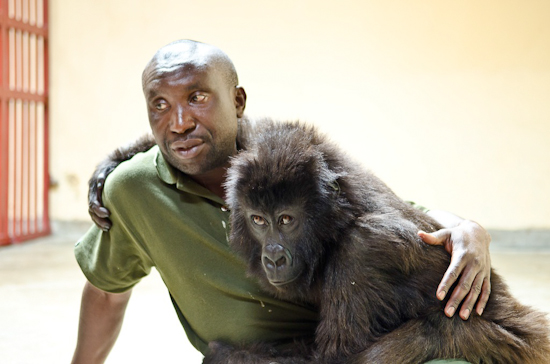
x=316 y=228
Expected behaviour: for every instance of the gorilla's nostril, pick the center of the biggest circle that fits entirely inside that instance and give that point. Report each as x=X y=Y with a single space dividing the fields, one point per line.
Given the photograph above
x=272 y=263
x=268 y=263
x=276 y=257
x=280 y=262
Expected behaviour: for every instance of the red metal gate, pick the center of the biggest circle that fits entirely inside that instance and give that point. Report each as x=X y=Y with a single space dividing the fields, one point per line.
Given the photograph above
x=24 y=177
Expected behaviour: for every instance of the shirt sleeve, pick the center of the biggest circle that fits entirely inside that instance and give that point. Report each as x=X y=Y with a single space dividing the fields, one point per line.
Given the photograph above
x=418 y=207
x=113 y=261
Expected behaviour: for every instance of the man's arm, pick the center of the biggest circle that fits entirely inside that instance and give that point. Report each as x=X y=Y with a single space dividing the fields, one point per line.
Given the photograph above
x=101 y=316
x=468 y=243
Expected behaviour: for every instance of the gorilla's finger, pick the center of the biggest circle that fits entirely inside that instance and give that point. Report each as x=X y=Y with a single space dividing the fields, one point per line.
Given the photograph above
x=99 y=188
x=98 y=210
x=103 y=224
x=100 y=178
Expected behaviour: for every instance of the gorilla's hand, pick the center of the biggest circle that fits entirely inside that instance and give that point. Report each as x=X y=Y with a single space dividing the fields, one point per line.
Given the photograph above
x=468 y=244
x=98 y=212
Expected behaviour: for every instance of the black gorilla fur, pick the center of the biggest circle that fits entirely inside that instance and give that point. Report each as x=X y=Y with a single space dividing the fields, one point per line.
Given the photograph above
x=367 y=271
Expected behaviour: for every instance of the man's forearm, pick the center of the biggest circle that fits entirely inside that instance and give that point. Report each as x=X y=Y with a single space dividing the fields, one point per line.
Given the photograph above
x=101 y=316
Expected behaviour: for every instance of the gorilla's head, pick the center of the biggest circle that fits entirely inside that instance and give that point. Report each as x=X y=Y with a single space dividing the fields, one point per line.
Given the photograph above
x=286 y=211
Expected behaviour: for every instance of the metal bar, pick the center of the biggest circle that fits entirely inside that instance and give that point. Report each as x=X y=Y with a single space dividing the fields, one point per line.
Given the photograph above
x=14 y=94
x=25 y=175
x=46 y=219
x=25 y=27
x=4 y=131
x=33 y=177
x=4 y=165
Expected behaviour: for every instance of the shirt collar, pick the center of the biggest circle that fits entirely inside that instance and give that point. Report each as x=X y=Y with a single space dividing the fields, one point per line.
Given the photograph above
x=170 y=175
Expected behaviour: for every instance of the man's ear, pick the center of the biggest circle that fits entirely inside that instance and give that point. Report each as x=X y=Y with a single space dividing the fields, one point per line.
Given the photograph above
x=240 y=101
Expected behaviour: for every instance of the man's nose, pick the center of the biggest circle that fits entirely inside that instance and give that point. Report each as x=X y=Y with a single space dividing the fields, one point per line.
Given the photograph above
x=182 y=120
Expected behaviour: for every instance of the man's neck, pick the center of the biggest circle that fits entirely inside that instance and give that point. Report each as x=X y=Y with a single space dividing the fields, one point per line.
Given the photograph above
x=213 y=181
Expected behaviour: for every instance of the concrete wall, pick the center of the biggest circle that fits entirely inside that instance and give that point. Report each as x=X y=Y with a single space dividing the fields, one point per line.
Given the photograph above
x=447 y=101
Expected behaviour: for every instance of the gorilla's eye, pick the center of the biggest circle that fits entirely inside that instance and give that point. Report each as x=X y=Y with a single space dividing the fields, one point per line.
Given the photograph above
x=258 y=220
x=285 y=219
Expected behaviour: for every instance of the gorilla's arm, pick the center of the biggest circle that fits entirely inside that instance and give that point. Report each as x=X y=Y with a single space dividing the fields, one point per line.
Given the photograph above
x=98 y=213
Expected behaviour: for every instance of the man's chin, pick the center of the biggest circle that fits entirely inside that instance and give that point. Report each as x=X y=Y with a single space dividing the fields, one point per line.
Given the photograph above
x=196 y=166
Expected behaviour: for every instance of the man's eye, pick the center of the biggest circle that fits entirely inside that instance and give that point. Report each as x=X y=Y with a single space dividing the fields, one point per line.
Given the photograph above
x=258 y=220
x=161 y=105
x=285 y=219
x=198 y=98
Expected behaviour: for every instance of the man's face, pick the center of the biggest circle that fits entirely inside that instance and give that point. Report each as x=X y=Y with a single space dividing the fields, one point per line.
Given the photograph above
x=193 y=114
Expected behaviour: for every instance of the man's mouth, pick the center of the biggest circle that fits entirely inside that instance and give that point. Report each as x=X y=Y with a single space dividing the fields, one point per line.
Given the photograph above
x=187 y=149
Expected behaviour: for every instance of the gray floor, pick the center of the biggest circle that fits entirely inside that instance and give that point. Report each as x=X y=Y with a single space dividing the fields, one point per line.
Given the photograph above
x=40 y=287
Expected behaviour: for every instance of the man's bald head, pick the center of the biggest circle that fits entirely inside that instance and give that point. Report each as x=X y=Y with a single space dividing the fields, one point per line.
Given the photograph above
x=189 y=53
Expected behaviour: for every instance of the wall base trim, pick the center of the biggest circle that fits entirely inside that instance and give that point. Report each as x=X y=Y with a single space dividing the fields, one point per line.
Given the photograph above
x=525 y=239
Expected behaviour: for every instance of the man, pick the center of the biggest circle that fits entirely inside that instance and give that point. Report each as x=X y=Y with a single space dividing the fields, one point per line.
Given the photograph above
x=168 y=212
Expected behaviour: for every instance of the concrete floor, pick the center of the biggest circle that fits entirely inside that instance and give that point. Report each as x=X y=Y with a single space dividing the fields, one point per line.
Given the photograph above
x=40 y=287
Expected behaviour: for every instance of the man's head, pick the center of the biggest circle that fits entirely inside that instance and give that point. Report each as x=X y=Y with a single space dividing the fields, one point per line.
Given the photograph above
x=193 y=102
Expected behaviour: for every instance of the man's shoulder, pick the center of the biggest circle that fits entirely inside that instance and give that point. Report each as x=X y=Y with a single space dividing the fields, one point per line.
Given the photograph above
x=136 y=171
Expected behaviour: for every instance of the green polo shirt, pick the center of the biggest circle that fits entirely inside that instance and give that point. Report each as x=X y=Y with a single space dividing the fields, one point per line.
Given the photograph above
x=163 y=219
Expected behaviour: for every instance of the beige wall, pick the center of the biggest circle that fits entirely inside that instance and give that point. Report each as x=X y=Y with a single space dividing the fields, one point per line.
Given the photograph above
x=448 y=101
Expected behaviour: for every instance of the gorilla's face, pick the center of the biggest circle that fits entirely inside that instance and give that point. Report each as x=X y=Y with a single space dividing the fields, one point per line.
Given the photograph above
x=280 y=234
x=285 y=216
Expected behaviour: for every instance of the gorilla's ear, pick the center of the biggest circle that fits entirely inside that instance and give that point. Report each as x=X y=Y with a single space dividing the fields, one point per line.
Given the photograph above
x=335 y=186
x=328 y=177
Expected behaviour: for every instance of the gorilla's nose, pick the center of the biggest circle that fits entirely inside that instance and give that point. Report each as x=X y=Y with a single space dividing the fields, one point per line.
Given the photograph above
x=275 y=257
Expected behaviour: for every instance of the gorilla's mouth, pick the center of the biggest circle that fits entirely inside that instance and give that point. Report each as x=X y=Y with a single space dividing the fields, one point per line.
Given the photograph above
x=282 y=283
x=279 y=283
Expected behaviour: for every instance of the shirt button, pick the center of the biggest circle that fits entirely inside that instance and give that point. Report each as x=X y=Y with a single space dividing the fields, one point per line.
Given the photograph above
x=225 y=209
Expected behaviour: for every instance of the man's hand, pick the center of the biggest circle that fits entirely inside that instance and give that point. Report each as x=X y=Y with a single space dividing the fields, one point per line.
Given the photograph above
x=468 y=244
x=98 y=213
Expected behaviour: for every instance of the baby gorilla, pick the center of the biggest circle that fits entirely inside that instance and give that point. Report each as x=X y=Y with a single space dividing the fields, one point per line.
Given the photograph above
x=318 y=229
